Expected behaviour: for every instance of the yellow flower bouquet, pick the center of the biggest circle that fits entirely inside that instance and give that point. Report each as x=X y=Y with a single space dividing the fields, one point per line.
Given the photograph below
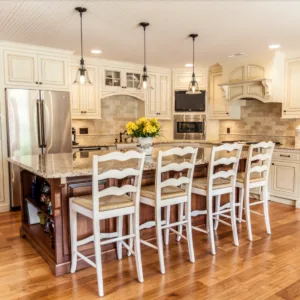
x=143 y=128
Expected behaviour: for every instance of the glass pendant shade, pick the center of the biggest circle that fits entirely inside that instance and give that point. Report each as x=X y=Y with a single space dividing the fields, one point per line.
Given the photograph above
x=145 y=83
x=193 y=87
x=82 y=76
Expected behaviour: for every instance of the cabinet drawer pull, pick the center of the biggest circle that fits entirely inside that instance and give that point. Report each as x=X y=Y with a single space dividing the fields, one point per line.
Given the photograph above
x=283 y=155
x=273 y=164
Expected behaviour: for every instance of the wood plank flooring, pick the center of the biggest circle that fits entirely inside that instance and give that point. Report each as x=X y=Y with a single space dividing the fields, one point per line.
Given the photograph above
x=267 y=268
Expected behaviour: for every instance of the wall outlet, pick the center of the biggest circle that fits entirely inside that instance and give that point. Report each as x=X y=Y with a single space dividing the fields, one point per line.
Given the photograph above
x=83 y=130
x=228 y=130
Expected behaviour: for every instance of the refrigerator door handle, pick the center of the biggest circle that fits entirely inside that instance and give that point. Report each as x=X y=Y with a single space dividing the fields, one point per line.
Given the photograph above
x=44 y=145
x=39 y=125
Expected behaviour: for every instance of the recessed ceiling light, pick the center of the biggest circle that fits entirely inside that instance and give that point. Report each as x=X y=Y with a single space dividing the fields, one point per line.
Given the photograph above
x=237 y=54
x=95 y=51
x=188 y=65
x=274 y=46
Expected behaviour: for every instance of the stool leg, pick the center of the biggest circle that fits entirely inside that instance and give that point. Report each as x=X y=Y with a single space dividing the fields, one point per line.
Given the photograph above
x=210 y=224
x=120 y=234
x=218 y=203
x=180 y=217
x=266 y=209
x=137 y=247
x=159 y=239
x=247 y=212
x=98 y=257
x=241 y=199
x=130 y=232
x=167 y=217
x=233 y=218
x=189 y=234
x=73 y=231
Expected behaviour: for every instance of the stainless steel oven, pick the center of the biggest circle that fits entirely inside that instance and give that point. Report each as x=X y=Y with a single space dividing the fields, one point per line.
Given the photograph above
x=187 y=127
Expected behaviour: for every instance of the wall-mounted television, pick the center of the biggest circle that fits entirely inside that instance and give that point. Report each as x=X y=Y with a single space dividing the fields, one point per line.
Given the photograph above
x=189 y=102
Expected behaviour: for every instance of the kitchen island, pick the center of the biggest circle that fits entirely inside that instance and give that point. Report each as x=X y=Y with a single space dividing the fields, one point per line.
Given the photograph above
x=70 y=175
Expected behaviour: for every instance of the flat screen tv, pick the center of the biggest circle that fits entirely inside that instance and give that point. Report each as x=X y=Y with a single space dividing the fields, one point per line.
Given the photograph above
x=189 y=102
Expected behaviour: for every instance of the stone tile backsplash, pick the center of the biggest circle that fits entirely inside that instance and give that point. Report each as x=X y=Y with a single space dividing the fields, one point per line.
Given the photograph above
x=260 y=121
x=116 y=112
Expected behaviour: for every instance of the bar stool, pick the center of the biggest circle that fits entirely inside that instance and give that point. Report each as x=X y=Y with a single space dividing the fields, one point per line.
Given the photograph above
x=215 y=185
x=166 y=193
x=256 y=175
x=109 y=203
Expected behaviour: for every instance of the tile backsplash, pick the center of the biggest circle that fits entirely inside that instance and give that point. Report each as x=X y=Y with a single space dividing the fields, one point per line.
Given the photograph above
x=116 y=112
x=260 y=121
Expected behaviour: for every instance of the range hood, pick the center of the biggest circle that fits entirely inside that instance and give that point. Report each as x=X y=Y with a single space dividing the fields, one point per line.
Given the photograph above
x=247 y=79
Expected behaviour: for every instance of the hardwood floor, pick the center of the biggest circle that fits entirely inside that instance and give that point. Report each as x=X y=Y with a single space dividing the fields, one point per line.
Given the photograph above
x=267 y=268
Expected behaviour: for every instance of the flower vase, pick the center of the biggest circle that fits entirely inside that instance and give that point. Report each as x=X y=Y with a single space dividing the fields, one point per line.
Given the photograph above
x=145 y=145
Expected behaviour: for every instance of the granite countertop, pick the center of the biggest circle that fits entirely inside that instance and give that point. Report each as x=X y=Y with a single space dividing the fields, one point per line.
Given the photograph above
x=63 y=165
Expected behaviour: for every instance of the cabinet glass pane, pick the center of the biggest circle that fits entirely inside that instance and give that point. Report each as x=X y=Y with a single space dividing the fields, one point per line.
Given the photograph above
x=116 y=82
x=112 y=78
x=108 y=81
x=132 y=80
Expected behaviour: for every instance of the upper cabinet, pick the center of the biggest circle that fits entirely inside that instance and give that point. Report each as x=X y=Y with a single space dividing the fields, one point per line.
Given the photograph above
x=25 y=69
x=182 y=80
x=158 y=100
x=291 y=103
x=85 y=100
x=219 y=108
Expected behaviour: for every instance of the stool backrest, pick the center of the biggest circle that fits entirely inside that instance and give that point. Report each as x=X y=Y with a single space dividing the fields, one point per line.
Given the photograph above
x=188 y=164
x=115 y=157
x=260 y=155
x=231 y=159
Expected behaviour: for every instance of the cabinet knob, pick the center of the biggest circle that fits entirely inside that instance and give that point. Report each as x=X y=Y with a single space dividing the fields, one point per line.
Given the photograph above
x=227 y=113
x=40 y=83
x=81 y=112
x=273 y=164
x=284 y=111
x=36 y=82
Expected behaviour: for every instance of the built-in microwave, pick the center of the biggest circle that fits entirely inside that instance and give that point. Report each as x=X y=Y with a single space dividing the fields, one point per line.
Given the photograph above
x=187 y=127
x=189 y=102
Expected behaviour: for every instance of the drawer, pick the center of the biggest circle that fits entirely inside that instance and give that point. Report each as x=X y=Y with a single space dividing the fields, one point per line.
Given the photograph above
x=287 y=156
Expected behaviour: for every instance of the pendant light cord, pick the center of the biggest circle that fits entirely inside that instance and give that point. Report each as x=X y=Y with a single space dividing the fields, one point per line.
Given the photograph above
x=81 y=37
x=145 y=49
x=193 y=57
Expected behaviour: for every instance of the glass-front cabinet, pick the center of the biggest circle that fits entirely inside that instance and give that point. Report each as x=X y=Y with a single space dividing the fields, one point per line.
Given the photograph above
x=116 y=79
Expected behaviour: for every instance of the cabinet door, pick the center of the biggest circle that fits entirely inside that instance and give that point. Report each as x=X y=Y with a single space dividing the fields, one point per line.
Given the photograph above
x=20 y=69
x=218 y=107
x=112 y=79
x=53 y=72
x=151 y=98
x=164 y=97
x=291 y=106
x=76 y=105
x=182 y=80
x=90 y=95
x=285 y=180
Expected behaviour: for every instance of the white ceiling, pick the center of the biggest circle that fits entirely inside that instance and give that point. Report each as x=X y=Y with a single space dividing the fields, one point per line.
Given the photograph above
x=224 y=27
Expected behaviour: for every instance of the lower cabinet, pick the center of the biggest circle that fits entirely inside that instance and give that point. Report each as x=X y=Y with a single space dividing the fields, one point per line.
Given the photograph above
x=284 y=178
x=85 y=101
x=158 y=100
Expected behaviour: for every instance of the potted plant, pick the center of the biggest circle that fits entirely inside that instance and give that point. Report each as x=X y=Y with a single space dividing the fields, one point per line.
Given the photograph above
x=144 y=130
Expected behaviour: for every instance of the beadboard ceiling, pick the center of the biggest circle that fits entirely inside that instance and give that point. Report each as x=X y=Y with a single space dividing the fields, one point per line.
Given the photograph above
x=224 y=27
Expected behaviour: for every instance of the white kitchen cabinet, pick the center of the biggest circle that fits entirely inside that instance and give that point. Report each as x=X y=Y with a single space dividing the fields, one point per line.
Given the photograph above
x=291 y=102
x=219 y=108
x=284 y=180
x=85 y=101
x=182 y=81
x=24 y=69
x=158 y=100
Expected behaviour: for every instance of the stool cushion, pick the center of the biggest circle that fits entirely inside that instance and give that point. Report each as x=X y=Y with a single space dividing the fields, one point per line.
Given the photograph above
x=167 y=192
x=105 y=203
x=201 y=183
x=254 y=177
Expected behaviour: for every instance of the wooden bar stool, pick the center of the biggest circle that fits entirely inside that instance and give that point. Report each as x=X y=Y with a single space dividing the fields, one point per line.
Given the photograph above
x=166 y=193
x=215 y=185
x=256 y=175
x=109 y=203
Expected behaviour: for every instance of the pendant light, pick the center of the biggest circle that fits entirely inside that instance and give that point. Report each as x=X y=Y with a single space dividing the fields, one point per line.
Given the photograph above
x=145 y=83
x=82 y=76
x=193 y=86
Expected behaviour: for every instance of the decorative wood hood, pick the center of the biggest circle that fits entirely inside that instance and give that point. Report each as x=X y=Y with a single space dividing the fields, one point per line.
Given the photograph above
x=262 y=80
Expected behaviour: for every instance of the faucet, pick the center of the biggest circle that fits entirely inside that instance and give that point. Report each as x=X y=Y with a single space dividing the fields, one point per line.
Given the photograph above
x=121 y=135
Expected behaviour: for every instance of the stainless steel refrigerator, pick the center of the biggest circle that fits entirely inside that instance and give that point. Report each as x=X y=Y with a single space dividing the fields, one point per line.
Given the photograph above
x=38 y=122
